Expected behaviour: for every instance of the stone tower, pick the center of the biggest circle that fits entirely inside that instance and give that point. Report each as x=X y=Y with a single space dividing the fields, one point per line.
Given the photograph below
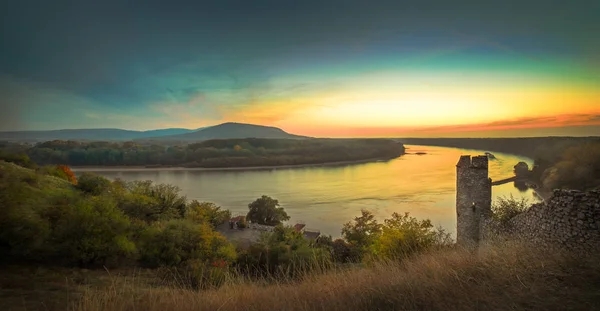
x=473 y=199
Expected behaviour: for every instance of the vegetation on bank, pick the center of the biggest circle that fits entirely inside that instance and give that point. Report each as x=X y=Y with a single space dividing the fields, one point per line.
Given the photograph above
x=48 y=217
x=53 y=221
x=212 y=153
x=559 y=162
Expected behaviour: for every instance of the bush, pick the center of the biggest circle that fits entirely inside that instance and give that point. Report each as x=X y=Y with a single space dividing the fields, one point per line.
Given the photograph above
x=23 y=228
x=178 y=241
x=504 y=209
x=283 y=253
x=169 y=203
x=403 y=235
x=207 y=212
x=20 y=159
x=93 y=183
x=91 y=231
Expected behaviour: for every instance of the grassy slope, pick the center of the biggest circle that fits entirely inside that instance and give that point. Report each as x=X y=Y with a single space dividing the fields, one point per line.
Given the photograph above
x=500 y=278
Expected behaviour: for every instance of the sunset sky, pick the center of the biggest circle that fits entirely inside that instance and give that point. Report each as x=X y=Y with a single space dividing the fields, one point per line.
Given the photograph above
x=321 y=68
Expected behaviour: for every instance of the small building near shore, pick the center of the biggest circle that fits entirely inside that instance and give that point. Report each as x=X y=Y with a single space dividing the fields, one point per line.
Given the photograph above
x=311 y=234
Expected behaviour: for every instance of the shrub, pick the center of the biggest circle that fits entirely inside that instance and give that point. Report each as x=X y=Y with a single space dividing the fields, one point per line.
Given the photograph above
x=23 y=230
x=91 y=231
x=207 y=212
x=60 y=171
x=93 y=183
x=505 y=208
x=170 y=204
x=20 y=159
x=403 y=235
x=178 y=241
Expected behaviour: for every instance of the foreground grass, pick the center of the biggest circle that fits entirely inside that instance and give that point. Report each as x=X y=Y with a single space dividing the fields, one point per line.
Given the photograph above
x=499 y=278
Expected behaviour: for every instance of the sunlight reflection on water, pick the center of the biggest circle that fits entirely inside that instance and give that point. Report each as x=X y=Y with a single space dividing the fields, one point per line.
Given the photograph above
x=327 y=197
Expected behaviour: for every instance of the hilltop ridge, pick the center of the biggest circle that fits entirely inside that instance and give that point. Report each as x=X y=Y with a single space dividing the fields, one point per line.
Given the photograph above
x=231 y=130
x=225 y=130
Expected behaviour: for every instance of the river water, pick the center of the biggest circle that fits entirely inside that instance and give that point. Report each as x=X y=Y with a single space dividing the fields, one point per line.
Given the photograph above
x=326 y=197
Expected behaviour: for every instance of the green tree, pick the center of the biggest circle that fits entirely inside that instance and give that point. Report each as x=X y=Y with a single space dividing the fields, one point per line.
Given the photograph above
x=207 y=212
x=403 y=235
x=169 y=203
x=178 y=241
x=362 y=232
x=266 y=211
x=91 y=231
x=93 y=183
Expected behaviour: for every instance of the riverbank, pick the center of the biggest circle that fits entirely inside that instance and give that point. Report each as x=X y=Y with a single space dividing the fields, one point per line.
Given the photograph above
x=240 y=168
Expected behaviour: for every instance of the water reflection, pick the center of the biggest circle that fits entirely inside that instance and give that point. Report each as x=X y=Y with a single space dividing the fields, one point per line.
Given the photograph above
x=327 y=197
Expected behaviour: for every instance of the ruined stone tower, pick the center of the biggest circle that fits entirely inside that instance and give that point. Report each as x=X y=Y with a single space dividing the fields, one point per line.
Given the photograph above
x=473 y=199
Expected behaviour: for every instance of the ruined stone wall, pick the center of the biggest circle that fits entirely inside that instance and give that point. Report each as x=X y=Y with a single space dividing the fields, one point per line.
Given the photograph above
x=568 y=220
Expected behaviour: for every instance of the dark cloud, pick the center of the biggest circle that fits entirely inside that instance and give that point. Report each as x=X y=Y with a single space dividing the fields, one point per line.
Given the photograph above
x=134 y=53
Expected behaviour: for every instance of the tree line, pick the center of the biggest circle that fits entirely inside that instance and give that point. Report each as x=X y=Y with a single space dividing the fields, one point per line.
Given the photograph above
x=212 y=153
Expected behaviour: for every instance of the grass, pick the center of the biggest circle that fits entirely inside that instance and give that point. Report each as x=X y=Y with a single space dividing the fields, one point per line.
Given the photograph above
x=507 y=277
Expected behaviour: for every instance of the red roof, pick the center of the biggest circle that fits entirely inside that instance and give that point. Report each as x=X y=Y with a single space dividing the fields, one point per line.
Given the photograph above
x=299 y=227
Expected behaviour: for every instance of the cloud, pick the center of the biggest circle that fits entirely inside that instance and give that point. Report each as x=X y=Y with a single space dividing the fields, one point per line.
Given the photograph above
x=568 y=124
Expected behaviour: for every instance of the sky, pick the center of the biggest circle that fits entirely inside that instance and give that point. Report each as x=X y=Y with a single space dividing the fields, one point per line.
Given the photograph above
x=321 y=68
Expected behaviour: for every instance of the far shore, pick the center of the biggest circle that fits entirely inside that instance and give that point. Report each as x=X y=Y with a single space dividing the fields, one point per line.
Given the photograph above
x=235 y=168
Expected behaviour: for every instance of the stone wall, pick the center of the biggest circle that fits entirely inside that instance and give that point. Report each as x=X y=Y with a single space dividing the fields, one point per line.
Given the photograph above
x=568 y=220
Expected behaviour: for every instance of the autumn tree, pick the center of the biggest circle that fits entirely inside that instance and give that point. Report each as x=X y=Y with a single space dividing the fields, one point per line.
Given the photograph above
x=68 y=173
x=266 y=211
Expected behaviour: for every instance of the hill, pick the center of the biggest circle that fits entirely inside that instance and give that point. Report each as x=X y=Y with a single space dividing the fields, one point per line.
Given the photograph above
x=231 y=130
x=88 y=134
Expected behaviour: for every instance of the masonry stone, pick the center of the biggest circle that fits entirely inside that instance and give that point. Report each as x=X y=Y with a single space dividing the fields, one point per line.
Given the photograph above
x=473 y=199
x=568 y=220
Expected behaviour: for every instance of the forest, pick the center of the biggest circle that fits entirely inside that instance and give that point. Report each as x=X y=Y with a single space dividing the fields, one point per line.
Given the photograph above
x=212 y=153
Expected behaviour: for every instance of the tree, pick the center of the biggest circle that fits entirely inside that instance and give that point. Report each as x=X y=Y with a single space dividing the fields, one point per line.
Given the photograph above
x=579 y=168
x=403 y=235
x=266 y=211
x=363 y=231
x=208 y=212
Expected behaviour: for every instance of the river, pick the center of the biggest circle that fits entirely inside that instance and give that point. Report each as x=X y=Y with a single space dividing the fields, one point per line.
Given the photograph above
x=326 y=197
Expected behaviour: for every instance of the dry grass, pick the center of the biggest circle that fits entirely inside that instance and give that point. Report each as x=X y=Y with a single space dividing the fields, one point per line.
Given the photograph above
x=500 y=278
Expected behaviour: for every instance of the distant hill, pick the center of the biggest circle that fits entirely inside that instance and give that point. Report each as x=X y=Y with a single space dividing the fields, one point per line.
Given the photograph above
x=231 y=130
x=88 y=134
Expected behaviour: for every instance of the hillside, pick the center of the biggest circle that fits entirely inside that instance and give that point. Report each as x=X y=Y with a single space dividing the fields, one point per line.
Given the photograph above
x=88 y=134
x=231 y=130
